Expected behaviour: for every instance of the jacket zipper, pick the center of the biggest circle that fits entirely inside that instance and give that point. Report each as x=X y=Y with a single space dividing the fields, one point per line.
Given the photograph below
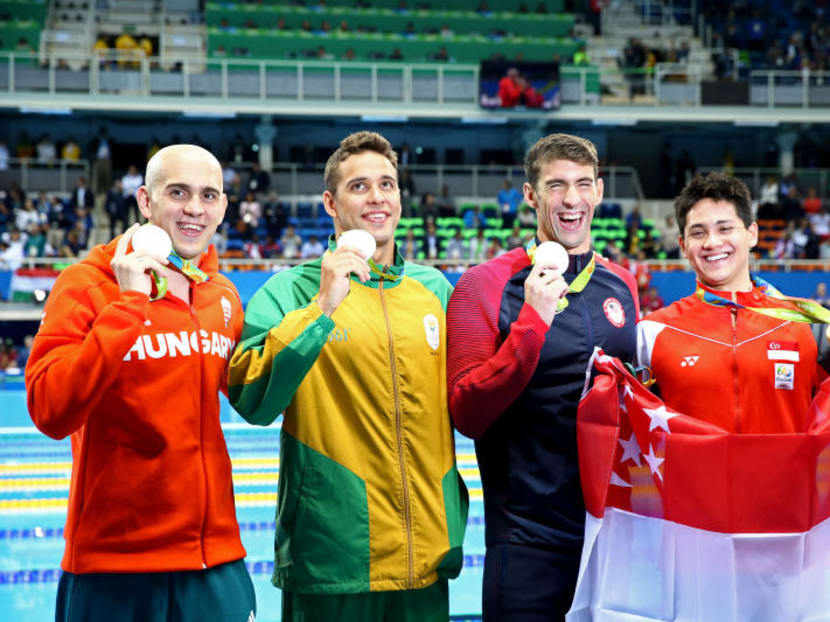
x=399 y=439
x=195 y=319
x=735 y=380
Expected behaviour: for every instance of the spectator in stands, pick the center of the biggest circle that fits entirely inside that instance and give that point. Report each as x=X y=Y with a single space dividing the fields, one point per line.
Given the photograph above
x=473 y=218
x=648 y=244
x=410 y=246
x=428 y=209
x=24 y=46
x=145 y=45
x=24 y=148
x=514 y=240
x=115 y=206
x=252 y=247
x=250 y=210
x=527 y=216
x=259 y=181
x=668 y=237
x=509 y=199
x=820 y=295
x=457 y=247
x=446 y=204
x=127 y=48
x=495 y=249
x=46 y=150
x=130 y=183
x=55 y=236
x=805 y=241
x=396 y=54
x=479 y=246
x=71 y=151
x=15 y=248
x=312 y=248
x=791 y=204
x=812 y=202
x=581 y=56
x=102 y=147
x=441 y=56
x=82 y=195
x=349 y=54
x=650 y=300
x=784 y=246
x=290 y=242
x=270 y=248
x=36 y=242
x=27 y=216
x=821 y=222
x=101 y=49
x=228 y=173
x=23 y=351
x=84 y=225
x=431 y=243
x=407 y=185
x=274 y=214
x=768 y=201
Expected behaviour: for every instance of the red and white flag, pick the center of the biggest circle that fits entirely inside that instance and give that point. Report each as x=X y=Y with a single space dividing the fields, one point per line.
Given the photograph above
x=686 y=521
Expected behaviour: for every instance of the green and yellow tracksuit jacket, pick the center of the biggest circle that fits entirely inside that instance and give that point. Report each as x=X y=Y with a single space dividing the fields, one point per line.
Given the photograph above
x=369 y=495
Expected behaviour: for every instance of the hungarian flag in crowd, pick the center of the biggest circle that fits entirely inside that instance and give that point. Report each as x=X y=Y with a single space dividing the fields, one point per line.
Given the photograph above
x=688 y=522
x=24 y=281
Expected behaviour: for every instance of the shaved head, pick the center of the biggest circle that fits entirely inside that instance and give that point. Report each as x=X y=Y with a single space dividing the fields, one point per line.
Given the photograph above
x=155 y=176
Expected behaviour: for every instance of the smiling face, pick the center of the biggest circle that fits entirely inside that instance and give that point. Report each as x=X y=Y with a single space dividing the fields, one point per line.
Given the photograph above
x=564 y=198
x=367 y=197
x=183 y=196
x=717 y=243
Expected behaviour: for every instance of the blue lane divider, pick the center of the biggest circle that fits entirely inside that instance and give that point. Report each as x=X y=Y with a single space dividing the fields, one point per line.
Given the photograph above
x=38 y=533
x=52 y=575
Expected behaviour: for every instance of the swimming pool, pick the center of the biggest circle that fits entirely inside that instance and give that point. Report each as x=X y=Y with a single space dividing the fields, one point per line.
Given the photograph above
x=34 y=484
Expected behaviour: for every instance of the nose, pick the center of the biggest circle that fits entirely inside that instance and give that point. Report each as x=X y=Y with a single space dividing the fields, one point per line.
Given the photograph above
x=194 y=206
x=375 y=194
x=571 y=196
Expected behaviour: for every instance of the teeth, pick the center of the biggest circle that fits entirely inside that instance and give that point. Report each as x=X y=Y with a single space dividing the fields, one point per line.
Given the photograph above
x=717 y=257
x=377 y=217
x=569 y=216
x=189 y=227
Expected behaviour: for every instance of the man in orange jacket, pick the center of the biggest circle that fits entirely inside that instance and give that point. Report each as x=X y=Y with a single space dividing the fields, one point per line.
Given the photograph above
x=129 y=357
x=736 y=353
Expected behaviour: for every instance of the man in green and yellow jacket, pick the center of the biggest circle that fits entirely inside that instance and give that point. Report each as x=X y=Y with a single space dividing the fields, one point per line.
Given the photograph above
x=371 y=510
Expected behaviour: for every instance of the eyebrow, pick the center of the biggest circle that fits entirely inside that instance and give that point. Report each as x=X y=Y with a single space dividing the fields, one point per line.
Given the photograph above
x=188 y=187
x=557 y=180
x=366 y=178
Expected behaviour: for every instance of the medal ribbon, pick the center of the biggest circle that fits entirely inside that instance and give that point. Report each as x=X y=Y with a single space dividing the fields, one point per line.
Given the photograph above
x=807 y=310
x=185 y=266
x=577 y=285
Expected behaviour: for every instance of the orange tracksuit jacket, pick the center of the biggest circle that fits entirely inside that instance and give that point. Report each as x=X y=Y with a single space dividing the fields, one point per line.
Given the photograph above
x=743 y=371
x=136 y=385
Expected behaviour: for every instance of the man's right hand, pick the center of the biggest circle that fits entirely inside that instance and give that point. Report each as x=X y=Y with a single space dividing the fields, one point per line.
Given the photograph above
x=334 y=277
x=132 y=270
x=543 y=289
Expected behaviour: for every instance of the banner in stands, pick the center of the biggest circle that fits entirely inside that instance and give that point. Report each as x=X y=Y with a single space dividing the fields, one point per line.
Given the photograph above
x=688 y=522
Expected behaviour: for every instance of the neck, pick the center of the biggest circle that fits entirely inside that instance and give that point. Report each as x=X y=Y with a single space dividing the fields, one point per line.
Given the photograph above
x=385 y=255
x=742 y=285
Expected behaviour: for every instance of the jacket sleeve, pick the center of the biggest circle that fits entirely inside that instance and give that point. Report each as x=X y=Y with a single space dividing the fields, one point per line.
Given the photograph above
x=78 y=350
x=484 y=374
x=280 y=344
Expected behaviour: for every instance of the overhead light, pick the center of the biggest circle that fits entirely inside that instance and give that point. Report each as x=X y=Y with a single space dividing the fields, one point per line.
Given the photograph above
x=37 y=110
x=384 y=118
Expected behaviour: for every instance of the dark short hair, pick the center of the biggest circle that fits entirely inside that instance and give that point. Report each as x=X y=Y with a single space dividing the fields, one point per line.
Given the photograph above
x=717 y=187
x=351 y=145
x=559 y=147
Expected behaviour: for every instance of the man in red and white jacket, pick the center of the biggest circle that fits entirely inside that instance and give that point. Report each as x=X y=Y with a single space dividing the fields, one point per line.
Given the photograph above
x=730 y=353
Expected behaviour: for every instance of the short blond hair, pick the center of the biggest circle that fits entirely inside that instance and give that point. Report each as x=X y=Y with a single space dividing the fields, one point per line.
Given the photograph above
x=559 y=147
x=354 y=144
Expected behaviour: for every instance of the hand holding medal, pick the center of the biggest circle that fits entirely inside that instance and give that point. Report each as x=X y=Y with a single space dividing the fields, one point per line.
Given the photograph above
x=150 y=250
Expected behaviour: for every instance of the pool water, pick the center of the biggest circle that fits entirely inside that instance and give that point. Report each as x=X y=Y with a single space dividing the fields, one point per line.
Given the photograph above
x=34 y=484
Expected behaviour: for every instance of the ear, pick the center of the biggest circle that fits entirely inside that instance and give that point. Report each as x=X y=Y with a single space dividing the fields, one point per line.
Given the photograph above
x=600 y=190
x=142 y=195
x=530 y=195
x=753 y=234
x=682 y=244
x=328 y=204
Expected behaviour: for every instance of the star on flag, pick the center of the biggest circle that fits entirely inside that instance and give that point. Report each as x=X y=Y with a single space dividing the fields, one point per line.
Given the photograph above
x=654 y=462
x=631 y=449
x=659 y=418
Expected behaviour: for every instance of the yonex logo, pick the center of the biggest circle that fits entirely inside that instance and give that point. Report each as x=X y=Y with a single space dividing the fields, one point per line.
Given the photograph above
x=689 y=361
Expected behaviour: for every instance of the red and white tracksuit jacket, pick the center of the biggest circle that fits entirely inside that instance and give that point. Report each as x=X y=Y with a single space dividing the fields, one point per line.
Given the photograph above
x=743 y=371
